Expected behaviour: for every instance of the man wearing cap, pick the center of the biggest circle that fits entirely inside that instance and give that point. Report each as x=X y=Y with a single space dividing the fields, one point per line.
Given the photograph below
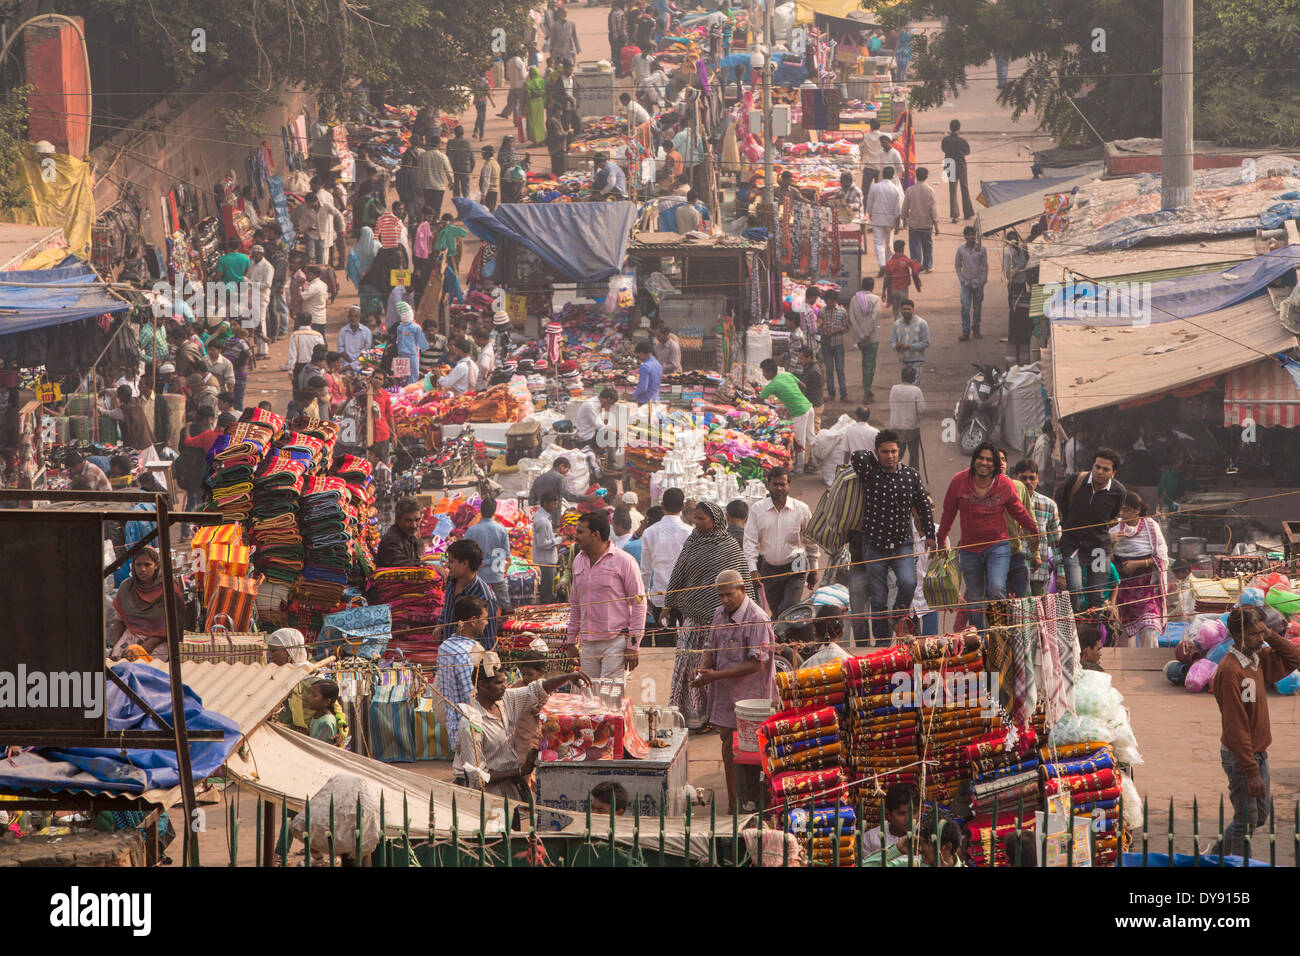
x=354 y=339
x=738 y=663
x=630 y=502
x=93 y=475
x=262 y=274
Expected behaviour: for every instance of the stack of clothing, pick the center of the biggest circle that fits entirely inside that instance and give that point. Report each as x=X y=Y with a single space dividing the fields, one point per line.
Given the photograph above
x=363 y=518
x=882 y=735
x=953 y=711
x=327 y=544
x=800 y=751
x=821 y=686
x=277 y=543
x=817 y=830
x=233 y=461
x=414 y=597
x=984 y=843
x=1088 y=772
x=1008 y=778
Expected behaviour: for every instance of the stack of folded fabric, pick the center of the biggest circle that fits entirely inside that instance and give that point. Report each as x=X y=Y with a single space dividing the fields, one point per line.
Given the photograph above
x=825 y=829
x=984 y=843
x=954 y=711
x=800 y=751
x=821 y=686
x=277 y=543
x=1005 y=750
x=1088 y=772
x=882 y=744
x=328 y=547
x=362 y=516
x=233 y=461
x=414 y=597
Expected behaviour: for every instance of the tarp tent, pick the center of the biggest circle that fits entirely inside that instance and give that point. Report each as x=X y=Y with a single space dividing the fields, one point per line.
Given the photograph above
x=581 y=242
x=37 y=298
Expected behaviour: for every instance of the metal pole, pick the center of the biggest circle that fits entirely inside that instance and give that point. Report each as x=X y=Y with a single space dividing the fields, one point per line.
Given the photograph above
x=1176 y=106
x=769 y=187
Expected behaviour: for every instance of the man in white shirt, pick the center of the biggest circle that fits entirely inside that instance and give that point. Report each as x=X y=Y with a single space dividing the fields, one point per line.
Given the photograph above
x=516 y=74
x=661 y=546
x=592 y=418
x=777 y=546
x=487 y=355
x=885 y=209
x=861 y=435
x=906 y=404
x=354 y=338
x=1077 y=449
x=333 y=225
x=890 y=157
x=668 y=348
x=315 y=296
x=261 y=273
x=863 y=308
x=463 y=376
x=636 y=113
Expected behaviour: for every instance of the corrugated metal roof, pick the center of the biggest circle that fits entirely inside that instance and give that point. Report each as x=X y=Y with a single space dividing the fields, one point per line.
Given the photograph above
x=1024 y=208
x=1054 y=264
x=1097 y=367
x=17 y=240
x=246 y=693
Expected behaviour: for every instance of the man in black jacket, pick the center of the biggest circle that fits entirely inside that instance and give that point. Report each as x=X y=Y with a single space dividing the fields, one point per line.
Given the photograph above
x=1089 y=504
x=401 y=546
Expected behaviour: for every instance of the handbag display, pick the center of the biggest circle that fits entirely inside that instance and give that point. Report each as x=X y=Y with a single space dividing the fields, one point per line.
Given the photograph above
x=363 y=630
x=233 y=598
x=431 y=741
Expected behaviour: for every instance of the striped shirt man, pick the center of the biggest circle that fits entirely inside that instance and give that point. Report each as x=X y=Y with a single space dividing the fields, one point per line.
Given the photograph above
x=479 y=589
x=1048 y=518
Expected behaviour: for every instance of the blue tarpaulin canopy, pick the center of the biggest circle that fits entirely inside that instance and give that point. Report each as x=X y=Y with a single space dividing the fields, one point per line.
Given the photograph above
x=32 y=304
x=583 y=242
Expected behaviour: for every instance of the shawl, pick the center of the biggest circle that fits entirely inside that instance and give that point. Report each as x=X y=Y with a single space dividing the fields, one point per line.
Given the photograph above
x=690 y=589
x=361 y=255
x=292 y=641
x=141 y=608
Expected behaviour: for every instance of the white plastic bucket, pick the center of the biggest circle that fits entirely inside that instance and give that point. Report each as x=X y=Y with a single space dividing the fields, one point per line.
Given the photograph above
x=750 y=715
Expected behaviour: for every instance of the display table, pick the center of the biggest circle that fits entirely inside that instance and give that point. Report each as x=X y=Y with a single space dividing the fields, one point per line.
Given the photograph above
x=659 y=780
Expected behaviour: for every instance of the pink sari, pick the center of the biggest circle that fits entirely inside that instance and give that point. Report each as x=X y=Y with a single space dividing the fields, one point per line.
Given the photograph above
x=1140 y=599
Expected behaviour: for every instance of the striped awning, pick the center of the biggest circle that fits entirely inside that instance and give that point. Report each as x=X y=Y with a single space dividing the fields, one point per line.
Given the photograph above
x=1263 y=392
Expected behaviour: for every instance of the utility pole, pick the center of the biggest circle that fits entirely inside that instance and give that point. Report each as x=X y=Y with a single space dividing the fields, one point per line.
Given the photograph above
x=1176 y=106
x=769 y=187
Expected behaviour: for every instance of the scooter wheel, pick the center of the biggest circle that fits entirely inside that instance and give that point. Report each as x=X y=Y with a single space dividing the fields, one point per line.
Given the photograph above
x=971 y=436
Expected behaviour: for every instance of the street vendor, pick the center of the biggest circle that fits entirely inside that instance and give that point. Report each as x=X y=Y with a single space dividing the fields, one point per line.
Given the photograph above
x=463 y=376
x=139 y=608
x=608 y=181
x=668 y=349
x=592 y=418
x=401 y=546
x=649 y=375
x=485 y=752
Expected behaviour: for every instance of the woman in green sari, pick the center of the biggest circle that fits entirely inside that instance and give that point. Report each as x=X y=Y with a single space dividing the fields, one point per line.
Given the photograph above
x=535 y=94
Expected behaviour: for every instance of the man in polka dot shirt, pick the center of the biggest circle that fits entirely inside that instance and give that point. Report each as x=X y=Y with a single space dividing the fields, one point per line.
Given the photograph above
x=893 y=493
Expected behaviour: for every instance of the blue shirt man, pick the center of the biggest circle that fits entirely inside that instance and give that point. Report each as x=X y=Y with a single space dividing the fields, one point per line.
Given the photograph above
x=609 y=179
x=494 y=542
x=649 y=376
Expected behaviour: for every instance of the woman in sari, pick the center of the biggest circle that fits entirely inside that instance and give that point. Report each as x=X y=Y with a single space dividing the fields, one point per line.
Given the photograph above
x=360 y=257
x=535 y=98
x=139 y=608
x=691 y=592
x=1142 y=558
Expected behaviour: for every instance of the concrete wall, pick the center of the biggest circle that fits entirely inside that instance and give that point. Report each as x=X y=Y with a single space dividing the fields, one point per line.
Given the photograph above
x=182 y=139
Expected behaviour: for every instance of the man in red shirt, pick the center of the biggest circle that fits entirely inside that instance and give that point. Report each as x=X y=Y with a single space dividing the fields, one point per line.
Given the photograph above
x=197 y=439
x=385 y=427
x=901 y=271
x=984 y=496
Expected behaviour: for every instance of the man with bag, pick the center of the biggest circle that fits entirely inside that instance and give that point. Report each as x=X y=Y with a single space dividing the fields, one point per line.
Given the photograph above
x=1089 y=503
x=892 y=495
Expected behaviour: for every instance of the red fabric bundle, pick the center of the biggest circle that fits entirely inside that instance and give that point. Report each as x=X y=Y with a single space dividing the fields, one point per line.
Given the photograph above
x=997 y=743
x=796 y=785
x=799 y=720
x=1081 y=783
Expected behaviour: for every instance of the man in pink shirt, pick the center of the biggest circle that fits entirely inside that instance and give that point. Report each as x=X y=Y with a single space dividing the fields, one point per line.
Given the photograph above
x=983 y=496
x=607 y=613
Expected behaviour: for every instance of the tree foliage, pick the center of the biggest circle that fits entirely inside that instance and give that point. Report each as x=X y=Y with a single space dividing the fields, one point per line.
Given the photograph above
x=1101 y=59
x=13 y=133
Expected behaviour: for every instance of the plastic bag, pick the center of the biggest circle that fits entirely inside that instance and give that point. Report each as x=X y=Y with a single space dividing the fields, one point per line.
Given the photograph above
x=1289 y=684
x=343 y=789
x=1207 y=630
x=1132 y=802
x=1199 y=675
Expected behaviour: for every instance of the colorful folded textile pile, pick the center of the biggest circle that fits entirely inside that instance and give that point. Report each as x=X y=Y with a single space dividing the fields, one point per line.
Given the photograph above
x=414 y=596
x=577 y=729
x=883 y=747
x=984 y=844
x=1090 y=774
x=326 y=542
x=824 y=830
x=233 y=461
x=821 y=686
x=274 y=521
x=362 y=515
x=796 y=742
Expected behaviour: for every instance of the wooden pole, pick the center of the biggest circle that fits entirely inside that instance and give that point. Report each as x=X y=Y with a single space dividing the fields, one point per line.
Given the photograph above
x=1176 y=106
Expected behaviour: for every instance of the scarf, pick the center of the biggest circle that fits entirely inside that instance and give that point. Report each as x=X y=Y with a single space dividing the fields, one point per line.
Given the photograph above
x=141 y=605
x=365 y=250
x=703 y=556
x=292 y=641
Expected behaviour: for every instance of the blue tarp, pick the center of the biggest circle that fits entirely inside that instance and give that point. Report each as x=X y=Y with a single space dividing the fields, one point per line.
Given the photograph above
x=1185 y=860
x=132 y=771
x=1182 y=298
x=1001 y=190
x=581 y=241
x=29 y=306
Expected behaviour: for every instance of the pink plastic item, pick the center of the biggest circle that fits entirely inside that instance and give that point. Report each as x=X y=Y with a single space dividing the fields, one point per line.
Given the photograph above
x=1199 y=675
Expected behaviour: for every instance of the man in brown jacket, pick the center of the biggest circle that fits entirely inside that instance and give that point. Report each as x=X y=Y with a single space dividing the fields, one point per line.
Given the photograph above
x=1240 y=687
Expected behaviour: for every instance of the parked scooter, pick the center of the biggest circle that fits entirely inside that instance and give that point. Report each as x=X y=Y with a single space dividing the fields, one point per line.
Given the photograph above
x=979 y=412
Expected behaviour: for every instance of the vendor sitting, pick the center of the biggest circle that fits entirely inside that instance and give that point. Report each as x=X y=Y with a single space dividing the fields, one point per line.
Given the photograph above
x=463 y=376
x=609 y=181
x=592 y=418
x=141 y=615
x=401 y=546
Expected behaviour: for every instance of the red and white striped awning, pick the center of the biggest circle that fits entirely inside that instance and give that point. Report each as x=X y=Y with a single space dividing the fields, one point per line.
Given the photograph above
x=1263 y=392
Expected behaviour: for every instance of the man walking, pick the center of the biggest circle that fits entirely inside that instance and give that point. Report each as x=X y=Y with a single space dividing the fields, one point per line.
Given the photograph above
x=884 y=209
x=460 y=154
x=910 y=338
x=607 y=607
x=906 y=404
x=832 y=323
x=1048 y=518
x=546 y=554
x=563 y=38
x=955 y=150
x=516 y=74
x=1089 y=503
x=492 y=540
x=863 y=308
x=434 y=175
x=661 y=544
x=972 y=266
x=922 y=219
x=892 y=493
x=616 y=27
x=1240 y=688
x=901 y=272
x=777 y=545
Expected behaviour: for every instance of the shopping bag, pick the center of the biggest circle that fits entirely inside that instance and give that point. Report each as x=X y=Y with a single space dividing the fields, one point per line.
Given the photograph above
x=942 y=584
x=430 y=733
x=839 y=511
x=234 y=597
x=363 y=630
x=392 y=726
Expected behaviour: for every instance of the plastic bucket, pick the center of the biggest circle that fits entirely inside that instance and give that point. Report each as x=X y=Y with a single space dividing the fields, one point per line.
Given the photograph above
x=750 y=715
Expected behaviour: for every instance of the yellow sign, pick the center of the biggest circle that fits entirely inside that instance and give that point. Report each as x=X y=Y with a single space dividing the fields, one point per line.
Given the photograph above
x=517 y=308
x=48 y=393
x=399 y=277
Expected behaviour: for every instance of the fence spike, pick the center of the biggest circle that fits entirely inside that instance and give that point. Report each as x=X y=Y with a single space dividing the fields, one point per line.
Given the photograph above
x=588 y=837
x=884 y=832
x=455 y=832
x=234 y=835
x=406 y=828
x=331 y=831
x=1272 y=833
x=356 y=848
x=1219 y=847
x=284 y=833
x=509 y=864
x=307 y=830
x=532 y=828
x=1146 y=829
x=482 y=828
x=911 y=843
x=762 y=808
x=613 y=852
x=1196 y=833
x=383 y=831
x=1171 y=831
x=636 y=830
x=735 y=836
x=663 y=809
x=713 y=828
x=257 y=855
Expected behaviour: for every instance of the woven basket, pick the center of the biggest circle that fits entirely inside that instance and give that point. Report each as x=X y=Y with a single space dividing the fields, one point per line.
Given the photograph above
x=221 y=646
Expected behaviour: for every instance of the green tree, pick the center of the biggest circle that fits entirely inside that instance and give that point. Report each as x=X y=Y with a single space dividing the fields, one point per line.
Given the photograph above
x=1247 y=82
x=13 y=133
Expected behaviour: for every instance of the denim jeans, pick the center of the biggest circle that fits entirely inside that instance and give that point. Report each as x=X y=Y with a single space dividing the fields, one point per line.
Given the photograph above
x=238 y=394
x=930 y=624
x=972 y=300
x=833 y=360
x=316 y=250
x=867 y=351
x=1097 y=579
x=921 y=246
x=1018 y=576
x=902 y=560
x=1234 y=835
x=984 y=576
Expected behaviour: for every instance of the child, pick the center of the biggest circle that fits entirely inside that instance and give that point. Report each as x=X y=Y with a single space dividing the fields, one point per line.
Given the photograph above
x=949 y=843
x=1181 y=600
x=901 y=801
x=1089 y=644
x=320 y=701
x=528 y=724
x=606 y=795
